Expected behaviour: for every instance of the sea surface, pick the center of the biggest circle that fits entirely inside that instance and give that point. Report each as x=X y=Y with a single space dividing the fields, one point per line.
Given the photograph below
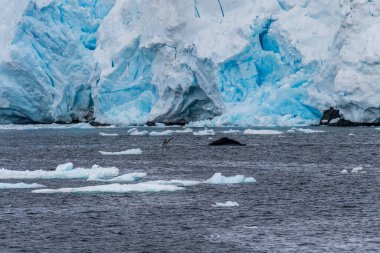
x=301 y=201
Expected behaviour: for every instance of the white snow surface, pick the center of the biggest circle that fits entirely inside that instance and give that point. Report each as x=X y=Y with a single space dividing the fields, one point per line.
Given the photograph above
x=262 y=132
x=114 y=188
x=63 y=171
x=213 y=62
x=133 y=151
x=226 y=204
x=19 y=186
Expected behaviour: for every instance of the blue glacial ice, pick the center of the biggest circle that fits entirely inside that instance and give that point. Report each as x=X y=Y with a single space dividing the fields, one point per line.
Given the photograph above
x=213 y=62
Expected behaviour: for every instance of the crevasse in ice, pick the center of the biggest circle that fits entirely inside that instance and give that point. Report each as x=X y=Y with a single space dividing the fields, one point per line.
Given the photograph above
x=246 y=63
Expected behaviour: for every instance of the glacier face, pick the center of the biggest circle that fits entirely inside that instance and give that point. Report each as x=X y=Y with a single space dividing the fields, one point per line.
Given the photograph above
x=217 y=62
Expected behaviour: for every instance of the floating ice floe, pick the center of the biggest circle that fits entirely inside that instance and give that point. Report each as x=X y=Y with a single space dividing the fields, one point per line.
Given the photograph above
x=130 y=177
x=20 y=186
x=108 y=134
x=63 y=171
x=304 y=130
x=226 y=204
x=176 y=182
x=218 y=178
x=133 y=151
x=46 y=126
x=170 y=132
x=231 y=131
x=357 y=170
x=377 y=128
x=136 y=132
x=264 y=132
x=350 y=134
x=204 y=132
x=344 y=171
x=115 y=188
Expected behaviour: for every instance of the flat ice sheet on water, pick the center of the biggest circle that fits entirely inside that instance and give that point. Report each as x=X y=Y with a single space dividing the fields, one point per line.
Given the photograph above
x=63 y=171
x=171 y=132
x=108 y=134
x=226 y=204
x=231 y=131
x=204 y=132
x=304 y=130
x=133 y=151
x=261 y=132
x=115 y=188
x=130 y=177
x=4 y=186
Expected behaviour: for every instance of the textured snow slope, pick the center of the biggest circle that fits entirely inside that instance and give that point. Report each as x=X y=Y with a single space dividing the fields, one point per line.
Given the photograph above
x=274 y=62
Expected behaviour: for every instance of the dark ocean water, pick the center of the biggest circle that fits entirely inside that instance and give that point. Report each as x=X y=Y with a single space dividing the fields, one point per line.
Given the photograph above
x=300 y=203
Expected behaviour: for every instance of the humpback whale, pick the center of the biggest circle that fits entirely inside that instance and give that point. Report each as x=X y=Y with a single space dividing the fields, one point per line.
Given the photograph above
x=226 y=142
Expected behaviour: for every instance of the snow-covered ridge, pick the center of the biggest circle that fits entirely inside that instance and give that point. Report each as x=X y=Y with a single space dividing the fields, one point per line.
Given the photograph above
x=244 y=63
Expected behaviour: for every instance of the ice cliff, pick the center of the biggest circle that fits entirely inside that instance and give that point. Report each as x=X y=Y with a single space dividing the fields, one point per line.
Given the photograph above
x=218 y=62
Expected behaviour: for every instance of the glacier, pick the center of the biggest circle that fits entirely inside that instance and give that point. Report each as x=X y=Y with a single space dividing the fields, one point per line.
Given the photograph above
x=210 y=62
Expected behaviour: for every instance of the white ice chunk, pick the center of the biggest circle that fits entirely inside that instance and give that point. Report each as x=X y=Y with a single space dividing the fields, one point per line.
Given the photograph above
x=305 y=130
x=65 y=167
x=115 y=188
x=231 y=131
x=130 y=177
x=108 y=134
x=170 y=132
x=176 y=182
x=20 y=186
x=133 y=151
x=218 y=178
x=356 y=170
x=350 y=134
x=204 y=132
x=135 y=131
x=64 y=171
x=344 y=172
x=226 y=204
x=265 y=132
x=334 y=121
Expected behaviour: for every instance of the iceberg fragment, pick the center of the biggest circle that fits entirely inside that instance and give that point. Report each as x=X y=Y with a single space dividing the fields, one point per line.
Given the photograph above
x=262 y=132
x=64 y=171
x=204 y=132
x=130 y=177
x=218 y=178
x=108 y=134
x=115 y=188
x=133 y=151
x=357 y=170
x=226 y=204
x=20 y=186
x=136 y=132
